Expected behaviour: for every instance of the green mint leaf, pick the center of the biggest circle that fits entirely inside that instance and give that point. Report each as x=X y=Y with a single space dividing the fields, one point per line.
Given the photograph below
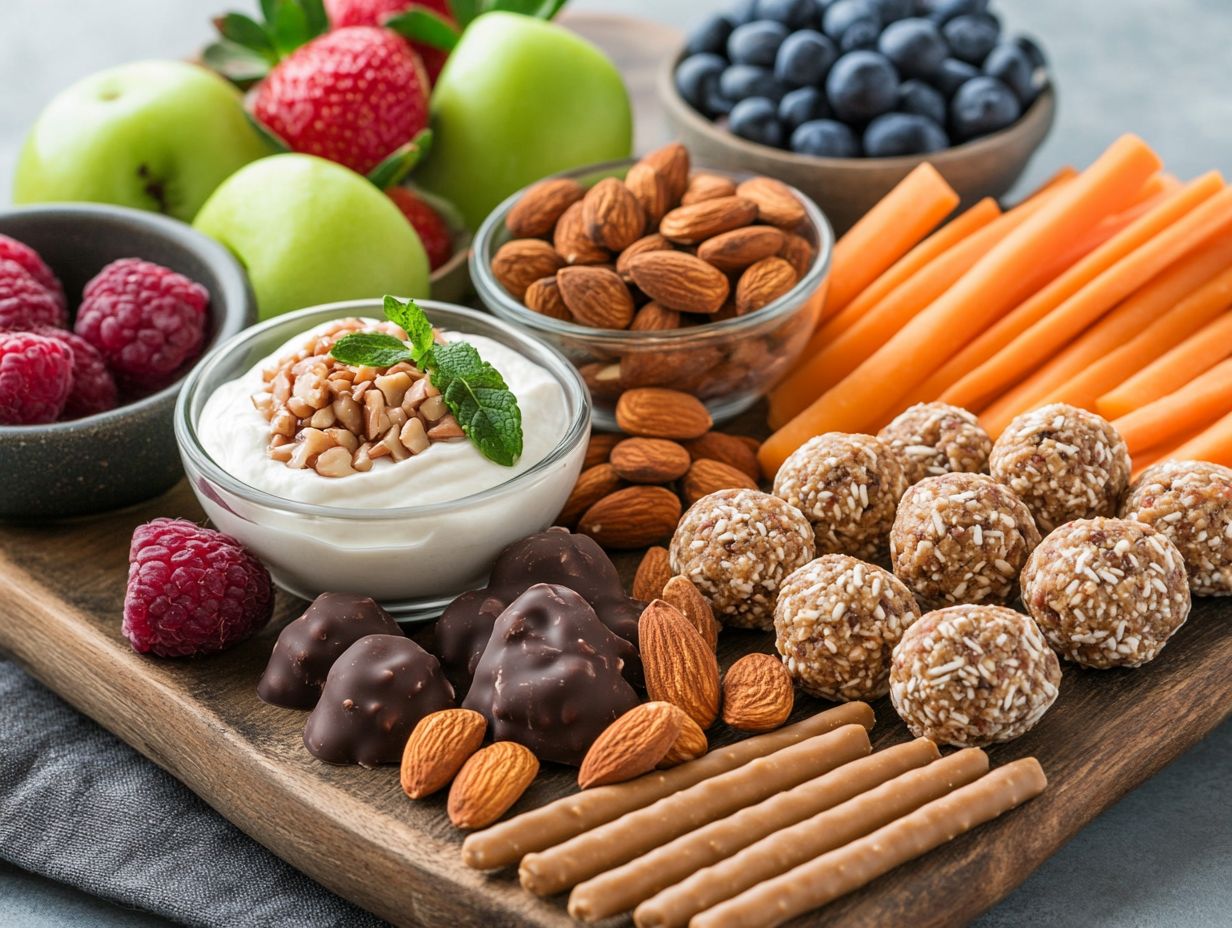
x=426 y=27
x=414 y=323
x=479 y=399
x=370 y=349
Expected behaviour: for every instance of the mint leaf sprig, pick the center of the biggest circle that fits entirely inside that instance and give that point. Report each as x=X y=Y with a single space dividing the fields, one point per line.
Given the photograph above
x=473 y=389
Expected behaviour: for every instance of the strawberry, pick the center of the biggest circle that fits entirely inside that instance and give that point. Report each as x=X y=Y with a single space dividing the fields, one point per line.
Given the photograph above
x=344 y=13
x=427 y=222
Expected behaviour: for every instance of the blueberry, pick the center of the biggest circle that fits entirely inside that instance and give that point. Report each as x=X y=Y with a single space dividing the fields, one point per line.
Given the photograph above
x=804 y=58
x=951 y=75
x=795 y=14
x=861 y=35
x=697 y=75
x=1031 y=49
x=715 y=104
x=757 y=120
x=802 y=105
x=942 y=11
x=915 y=46
x=843 y=14
x=746 y=80
x=756 y=42
x=972 y=36
x=710 y=35
x=825 y=138
x=1009 y=64
x=982 y=105
x=742 y=11
x=921 y=99
x=903 y=134
x=894 y=10
x=862 y=85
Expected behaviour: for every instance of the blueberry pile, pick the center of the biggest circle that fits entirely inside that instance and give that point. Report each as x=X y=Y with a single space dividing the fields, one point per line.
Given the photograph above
x=846 y=78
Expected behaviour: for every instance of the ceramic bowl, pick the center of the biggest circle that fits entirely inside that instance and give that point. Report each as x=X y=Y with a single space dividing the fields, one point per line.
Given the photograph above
x=126 y=454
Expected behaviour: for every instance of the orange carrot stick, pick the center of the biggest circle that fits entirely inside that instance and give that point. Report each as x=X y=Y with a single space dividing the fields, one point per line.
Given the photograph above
x=1145 y=459
x=875 y=388
x=1062 y=174
x=1195 y=405
x=1214 y=444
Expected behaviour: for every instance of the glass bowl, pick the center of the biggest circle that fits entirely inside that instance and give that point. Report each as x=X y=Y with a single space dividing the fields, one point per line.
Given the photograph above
x=413 y=559
x=728 y=364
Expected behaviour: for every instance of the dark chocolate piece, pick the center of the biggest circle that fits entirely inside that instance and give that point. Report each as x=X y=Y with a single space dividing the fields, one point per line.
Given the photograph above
x=551 y=676
x=308 y=646
x=375 y=693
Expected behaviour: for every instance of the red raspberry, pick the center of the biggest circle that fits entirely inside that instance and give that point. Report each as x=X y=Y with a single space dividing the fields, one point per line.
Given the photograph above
x=192 y=590
x=24 y=302
x=146 y=320
x=36 y=267
x=36 y=374
x=427 y=222
x=94 y=389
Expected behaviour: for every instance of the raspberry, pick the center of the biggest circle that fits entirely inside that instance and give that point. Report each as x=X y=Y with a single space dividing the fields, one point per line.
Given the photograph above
x=36 y=374
x=24 y=302
x=192 y=590
x=94 y=389
x=35 y=266
x=147 y=321
x=427 y=223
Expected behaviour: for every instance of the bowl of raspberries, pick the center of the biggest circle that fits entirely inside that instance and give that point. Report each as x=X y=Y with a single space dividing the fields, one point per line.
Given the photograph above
x=842 y=98
x=103 y=310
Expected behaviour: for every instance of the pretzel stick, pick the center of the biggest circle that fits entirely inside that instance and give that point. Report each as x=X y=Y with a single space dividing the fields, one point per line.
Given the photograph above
x=558 y=821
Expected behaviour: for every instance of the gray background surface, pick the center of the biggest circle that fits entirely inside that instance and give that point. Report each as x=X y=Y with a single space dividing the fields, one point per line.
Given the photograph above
x=1162 y=857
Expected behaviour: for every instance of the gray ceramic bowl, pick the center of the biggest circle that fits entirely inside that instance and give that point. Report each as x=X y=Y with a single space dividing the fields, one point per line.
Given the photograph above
x=129 y=453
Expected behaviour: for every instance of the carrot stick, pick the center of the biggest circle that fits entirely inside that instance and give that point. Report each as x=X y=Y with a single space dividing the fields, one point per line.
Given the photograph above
x=1063 y=173
x=1198 y=403
x=1145 y=459
x=910 y=355
x=887 y=232
x=1214 y=444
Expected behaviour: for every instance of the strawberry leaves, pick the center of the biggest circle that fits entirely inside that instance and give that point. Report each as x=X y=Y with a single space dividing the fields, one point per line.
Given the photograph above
x=248 y=48
x=401 y=161
x=419 y=24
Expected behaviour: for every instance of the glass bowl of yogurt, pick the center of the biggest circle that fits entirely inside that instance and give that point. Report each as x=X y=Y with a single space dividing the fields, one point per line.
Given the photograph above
x=411 y=533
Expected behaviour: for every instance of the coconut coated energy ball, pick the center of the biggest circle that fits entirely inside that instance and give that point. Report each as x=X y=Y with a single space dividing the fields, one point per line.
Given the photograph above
x=836 y=623
x=848 y=486
x=737 y=546
x=961 y=538
x=1191 y=503
x=973 y=675
x=1106 y=592
x=936 y=438
x=1065 y=463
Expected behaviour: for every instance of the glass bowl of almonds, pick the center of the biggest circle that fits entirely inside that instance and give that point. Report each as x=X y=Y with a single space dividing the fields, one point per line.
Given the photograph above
x=649 y=273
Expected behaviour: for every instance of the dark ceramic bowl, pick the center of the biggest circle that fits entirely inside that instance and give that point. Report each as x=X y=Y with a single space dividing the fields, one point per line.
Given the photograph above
x=127 y=454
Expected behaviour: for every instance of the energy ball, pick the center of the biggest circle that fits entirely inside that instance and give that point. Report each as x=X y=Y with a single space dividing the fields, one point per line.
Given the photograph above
x=737 y=546
x=1106 y=592
x=1065 y=463
x=836 y=623
x=848 y=486
x=973 y=675
x=1191 y=503
x=936 y=438
x=961 y=538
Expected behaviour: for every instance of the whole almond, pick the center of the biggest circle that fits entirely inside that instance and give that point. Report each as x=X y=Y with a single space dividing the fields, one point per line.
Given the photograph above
x=680 y=667
x=491 y=781
x=519 y=263
x=632 y=745
x=680 y=281
x=541 y=206
x=543 y=296
x=757 y=693
x=703 y=186
x=651 y=190
x=653 y=412
x=603 y=380
x=706 y=477
x=776 y=203
x=797 y=252
x=438 y=747
x=731 y=450
x=672 y=162
x=572 y=242
x=652 y=242
x=697 y=222
x=652 y=574
x=685 y=596
x=690 y=744
x=592 y=485
x=649 y=460
x=632 y=518
x=596 y=296
x=599 y=448
x=737 y=249
x=654 y=318
x=611 y=215
x=763 y=283
x=677 y=368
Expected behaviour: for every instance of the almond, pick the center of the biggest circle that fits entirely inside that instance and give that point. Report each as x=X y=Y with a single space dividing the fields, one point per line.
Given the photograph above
x=737 y=249
x=731 y=450
x=519 y=263
x=599 y=448
x=543 y=296
x=679 y=666
x=678 y=367
x=697 y=222
x=690 y=743
x=490 y=782
x=763 y=283
x=438 y=747
x=798 y=253
x=757 y=693
x=652 y=575
x=611 y=215
x=651 y=190
x=703 y=186
x=706 y=477
x=649 y=460
x=632 y=745
x=541 y=206
x=592 y=485
x=596 y=296
x=652 y=242
x=652 y=412
x=654 y=318
x=603 y=380
x=573 y=244
x=632 y=518
x=776 y=203
x=672 y=162
x=685 y=596
x=680 y=281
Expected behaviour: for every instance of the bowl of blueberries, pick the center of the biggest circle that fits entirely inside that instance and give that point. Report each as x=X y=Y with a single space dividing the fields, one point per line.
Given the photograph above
x=842 y=98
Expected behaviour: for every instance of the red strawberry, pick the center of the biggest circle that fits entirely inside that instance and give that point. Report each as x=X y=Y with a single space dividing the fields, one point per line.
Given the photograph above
x=343 y=13
x=427 y=222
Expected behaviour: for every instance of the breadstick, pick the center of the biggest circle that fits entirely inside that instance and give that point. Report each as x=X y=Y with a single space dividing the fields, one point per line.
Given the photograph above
x=621 y=889
x=848 y=868
x=635 y=833
x=558 y=821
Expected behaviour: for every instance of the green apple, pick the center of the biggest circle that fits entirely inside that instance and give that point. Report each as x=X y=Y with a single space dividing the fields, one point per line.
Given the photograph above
x=519 y=99
x=155 y=135
x=310 y=231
